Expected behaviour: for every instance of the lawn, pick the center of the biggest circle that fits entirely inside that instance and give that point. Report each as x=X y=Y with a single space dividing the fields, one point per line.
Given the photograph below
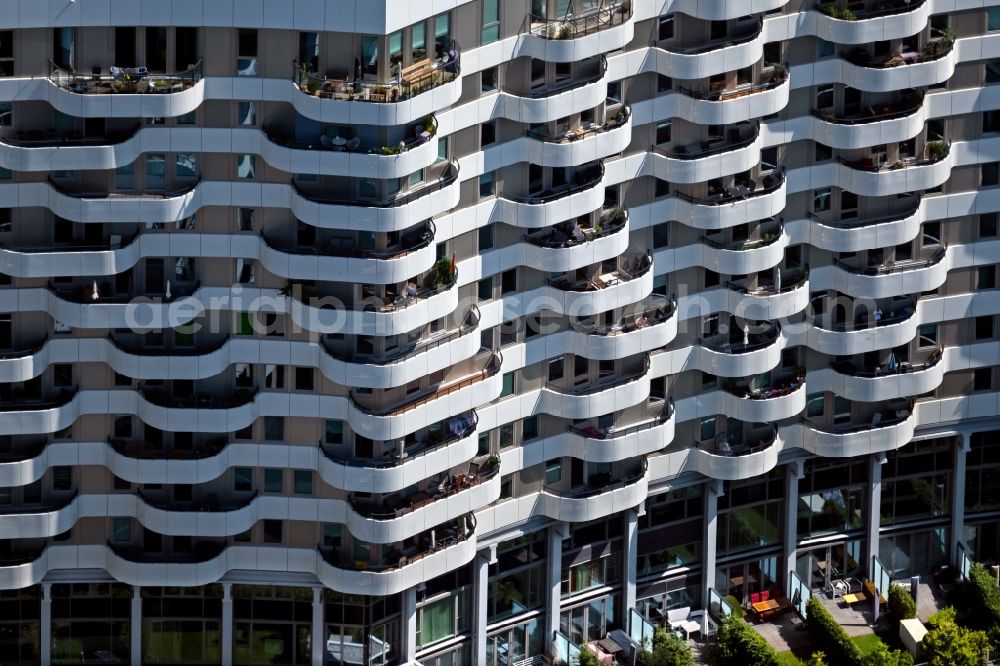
x=866 y=642
x=789 y=658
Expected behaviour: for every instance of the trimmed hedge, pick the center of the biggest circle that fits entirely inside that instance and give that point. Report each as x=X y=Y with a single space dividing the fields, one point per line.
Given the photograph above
x=901 y=604
x=740 y=645
x=830 y=636
x=985 y=594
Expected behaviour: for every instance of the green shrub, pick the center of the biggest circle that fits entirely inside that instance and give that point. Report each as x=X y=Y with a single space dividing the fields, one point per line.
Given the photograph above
x=901 y=604
x=985 y=595
x=668 y=650
x=740 y=645
x=816 y=659
x=830 y=636
x=881 y=655
x=734 y=606
x=947 y=644
x=587 y=658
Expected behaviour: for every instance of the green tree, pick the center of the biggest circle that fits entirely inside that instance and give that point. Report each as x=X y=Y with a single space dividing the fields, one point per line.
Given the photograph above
x=901 y=604
x=668 y=650
x=948 y=644
x=587 y=658
x=740 y=645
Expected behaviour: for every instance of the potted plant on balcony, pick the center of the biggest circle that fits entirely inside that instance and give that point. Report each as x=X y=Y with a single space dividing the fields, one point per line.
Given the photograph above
x=937 y=150
x=565 y=31
x=313 y=87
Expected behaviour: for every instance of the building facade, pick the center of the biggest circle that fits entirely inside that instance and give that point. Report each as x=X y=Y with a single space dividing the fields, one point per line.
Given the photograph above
x=394 y=332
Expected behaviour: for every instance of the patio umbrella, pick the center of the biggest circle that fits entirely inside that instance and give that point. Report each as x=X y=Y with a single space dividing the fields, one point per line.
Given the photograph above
x=166 y=294
x=93 y=292
x=892 y=362
x=777 y=279
x=746 y=334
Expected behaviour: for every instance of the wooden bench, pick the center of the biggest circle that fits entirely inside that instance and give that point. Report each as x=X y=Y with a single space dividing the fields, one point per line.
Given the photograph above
x=418 y=73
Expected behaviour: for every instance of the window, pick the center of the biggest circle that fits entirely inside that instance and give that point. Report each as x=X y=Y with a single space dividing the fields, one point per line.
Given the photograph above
x=155 y=171
x=614 y=92
x=242 y=479
x=302 y=482
x=334 y=432
x=273 y=479
x=309 y=51
x=491 y=21
x=814 y=404
x=62 y=477
x=708 y=428
x=6 y=221
x=121 y=529
x=984 y=328
x=508 y=281
x=156 y=49
x=987 y=225
x=185 y=165
x=396 y=49
x=927 y=335
x=489 y=80
x=824 y=97
x=186 y=48
x=63 y=48
x=246 y=166
x=993 y=18
x=986 y=277
x=486 y=237
x=663 y=132
x=666 y=27
x=488 y=133
x=247 y=219
x=484 y=289
x=824 y=48
x=303 y=379
x=982 y=380
x=553 y=471
x=823 y=152
x=487 y=186
x=62 y=375
x=246 y=113
x=274 y=428
x=508 y=385
x=442 y=33
x=821 y=199
x=272 y=531
x=555 y=370
x=6 y=53
x=661 y=235
x=418 y=41
x=529 y=428
x=331 y=535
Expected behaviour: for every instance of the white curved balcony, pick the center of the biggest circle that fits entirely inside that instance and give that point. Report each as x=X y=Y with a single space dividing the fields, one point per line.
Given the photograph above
x=755 y=462
x=580 y=506
x=550 y=208
x=569 y=149
x=320 y=158
x=725 y=359
x=872 y=26
x=897 y=328
x=371 y=267
x=444 y=558
x=855 y=441
x=886 y=125
x=721 y=211
x=558 y=251
x=877 y=79
x=205 y=521
x=401 y=212
x=537 y=106
x=580 y=36
x=396 y=420
x=724 y=10
x=592 y=401
x=844 y=379
x=605 y=292
x=763 y=303
x=388 y=475
x=899 y=178
x=705 y=164
x=765 y=408
x=717 y=107
x=642 y=327
x=909 y=277
x=736 y=258
x=856 y=235
x=709 y=58
x=605 y=446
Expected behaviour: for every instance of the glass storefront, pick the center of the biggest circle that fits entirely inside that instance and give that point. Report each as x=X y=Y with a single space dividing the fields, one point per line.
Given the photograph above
x=181 y=625
x=271 y=625
x=654 y=600
x=831 y=498
x=517 y=579
x=916 y=482
x=913 y=553
x=516 y=644
x=751 y=514
x=90 y=623
x=361 y=629
x=20 y=625
x=670 y=532
x=590 y=621
x=817 y=566
x=982 y=475
x=443 y=607
x=741 y=579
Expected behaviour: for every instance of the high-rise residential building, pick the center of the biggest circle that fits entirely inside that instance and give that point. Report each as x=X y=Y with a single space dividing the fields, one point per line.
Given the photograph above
x=388 y=332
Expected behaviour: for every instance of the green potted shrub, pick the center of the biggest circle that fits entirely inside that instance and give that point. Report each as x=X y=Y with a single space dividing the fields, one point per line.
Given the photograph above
x=937 y=150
